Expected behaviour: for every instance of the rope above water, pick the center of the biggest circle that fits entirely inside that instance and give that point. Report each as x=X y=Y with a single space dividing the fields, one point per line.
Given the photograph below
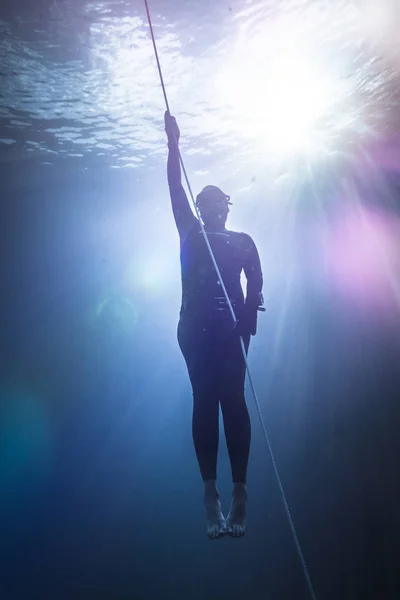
x=275 y=468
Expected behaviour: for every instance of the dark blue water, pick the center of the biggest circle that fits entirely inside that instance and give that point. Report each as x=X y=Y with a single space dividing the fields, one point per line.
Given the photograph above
x=100 y=495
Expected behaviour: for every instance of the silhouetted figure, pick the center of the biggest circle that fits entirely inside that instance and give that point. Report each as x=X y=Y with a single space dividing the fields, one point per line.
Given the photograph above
x=208 y=337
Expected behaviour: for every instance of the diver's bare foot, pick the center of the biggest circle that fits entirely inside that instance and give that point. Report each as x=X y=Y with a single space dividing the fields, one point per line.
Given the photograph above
x=216 y=524
x=236 y=520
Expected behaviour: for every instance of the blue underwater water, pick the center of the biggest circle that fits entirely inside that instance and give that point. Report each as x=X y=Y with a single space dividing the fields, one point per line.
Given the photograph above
x=100 y=494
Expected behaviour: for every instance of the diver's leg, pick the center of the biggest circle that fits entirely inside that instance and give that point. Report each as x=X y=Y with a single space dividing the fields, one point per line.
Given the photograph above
x=205 y=437
x=205 y=431
x=237 y=432
x=199 y=355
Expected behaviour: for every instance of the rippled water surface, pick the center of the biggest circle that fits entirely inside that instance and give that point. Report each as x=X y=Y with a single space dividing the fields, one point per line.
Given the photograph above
x=253 y=79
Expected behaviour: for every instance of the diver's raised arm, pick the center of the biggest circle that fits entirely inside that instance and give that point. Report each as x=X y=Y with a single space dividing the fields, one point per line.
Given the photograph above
x=184 y=217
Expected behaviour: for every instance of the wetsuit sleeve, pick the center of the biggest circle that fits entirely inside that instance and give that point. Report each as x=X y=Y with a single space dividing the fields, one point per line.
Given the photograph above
x=183 y=215
x=254 y=276
x=253 y=272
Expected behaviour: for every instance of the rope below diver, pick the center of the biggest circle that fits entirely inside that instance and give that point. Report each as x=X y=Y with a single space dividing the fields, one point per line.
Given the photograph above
x=250 y=379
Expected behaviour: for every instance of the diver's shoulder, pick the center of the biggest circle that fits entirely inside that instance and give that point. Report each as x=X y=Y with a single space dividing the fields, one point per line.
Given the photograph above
x=238 y=233
x=241 y=236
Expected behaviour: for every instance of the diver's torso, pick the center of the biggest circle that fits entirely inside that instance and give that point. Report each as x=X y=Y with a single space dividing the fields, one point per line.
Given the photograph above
x=202 y=294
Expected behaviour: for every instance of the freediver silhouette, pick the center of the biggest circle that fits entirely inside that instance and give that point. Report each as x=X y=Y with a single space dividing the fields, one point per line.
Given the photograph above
x=208 y=337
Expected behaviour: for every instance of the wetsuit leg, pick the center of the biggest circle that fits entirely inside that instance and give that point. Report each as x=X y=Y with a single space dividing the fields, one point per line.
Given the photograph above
x=201 y=350
x=234 y=410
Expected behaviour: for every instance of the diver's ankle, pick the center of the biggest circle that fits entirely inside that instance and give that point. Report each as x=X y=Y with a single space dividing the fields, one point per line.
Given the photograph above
x=210 y=486
x=239 y=489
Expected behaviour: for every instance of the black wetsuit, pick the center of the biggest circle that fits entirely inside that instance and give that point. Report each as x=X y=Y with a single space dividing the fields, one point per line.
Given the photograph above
x=206 y=335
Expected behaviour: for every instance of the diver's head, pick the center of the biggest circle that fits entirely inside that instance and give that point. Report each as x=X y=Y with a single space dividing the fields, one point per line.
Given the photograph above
x=213 y=206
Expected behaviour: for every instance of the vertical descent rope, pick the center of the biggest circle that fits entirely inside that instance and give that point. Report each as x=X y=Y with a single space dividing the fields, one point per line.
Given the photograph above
x=250 y=379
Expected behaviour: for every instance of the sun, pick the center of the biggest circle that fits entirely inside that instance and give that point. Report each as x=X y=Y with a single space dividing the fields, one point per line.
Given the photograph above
x=281 y=97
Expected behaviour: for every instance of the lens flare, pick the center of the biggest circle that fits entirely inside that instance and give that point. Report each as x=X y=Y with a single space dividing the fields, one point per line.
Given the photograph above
x=26 y=451
x=114 y=312
x=150 y=274
x=363 y=257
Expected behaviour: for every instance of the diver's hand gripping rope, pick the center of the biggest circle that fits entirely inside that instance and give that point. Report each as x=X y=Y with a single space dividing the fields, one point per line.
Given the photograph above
x=285 y=504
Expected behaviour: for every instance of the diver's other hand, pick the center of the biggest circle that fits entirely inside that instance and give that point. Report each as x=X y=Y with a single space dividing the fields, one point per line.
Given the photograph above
x=247 y=321
x=171 y=128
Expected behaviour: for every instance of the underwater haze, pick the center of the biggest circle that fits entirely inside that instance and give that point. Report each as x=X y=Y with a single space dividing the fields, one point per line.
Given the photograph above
x=292 y=107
